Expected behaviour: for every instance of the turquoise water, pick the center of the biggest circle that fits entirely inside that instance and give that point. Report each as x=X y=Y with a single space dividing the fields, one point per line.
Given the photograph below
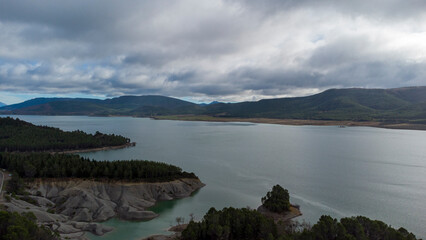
x=379 y=173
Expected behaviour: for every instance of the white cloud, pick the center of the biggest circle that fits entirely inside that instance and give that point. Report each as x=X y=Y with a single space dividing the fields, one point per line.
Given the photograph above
x=207 y=50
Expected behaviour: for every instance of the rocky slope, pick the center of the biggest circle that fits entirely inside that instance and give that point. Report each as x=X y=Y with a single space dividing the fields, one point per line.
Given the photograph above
x=74 y=206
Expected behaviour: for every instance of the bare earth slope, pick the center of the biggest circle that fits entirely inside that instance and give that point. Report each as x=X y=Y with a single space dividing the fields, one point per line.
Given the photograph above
x=73 y=206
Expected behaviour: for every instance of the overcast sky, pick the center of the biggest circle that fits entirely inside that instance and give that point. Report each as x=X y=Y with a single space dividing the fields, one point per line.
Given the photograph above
x=208 y=50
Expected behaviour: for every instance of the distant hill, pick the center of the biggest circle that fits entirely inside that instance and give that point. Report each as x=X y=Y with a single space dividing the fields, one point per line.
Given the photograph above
x=2 y=104
x=141 y=106
x=353 y=104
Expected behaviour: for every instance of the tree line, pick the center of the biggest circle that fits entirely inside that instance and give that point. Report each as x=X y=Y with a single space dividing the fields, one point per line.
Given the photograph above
x=45 y=165
x=20 y=136
x=233 y=224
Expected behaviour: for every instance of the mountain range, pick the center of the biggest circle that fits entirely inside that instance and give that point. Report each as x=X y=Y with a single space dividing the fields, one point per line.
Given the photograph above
x=353 y=104
x=2 y=104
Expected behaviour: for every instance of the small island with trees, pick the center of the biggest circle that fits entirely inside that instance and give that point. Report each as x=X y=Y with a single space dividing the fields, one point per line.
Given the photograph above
x=276 y=205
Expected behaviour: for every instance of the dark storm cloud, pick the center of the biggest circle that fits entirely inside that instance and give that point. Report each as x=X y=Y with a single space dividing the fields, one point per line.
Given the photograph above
x=258 y=78
x=149 y=58
x=233 y=50
x=379 y=74
x=215 y=89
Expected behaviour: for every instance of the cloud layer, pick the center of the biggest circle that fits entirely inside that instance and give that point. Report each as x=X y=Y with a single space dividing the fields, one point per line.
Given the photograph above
x=210 y=50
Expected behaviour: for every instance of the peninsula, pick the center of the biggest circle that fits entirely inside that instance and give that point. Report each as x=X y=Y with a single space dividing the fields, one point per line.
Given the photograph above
x=69 y=195
x=20 y=136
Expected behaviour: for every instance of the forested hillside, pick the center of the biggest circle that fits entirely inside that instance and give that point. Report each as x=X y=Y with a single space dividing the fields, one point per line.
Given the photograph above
x=401 y=104
x=39 y=101
x=141 y=106
x=18 y=135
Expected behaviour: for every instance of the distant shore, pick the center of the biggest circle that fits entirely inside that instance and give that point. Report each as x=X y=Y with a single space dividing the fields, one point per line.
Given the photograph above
x=295 y=122
x=292 y=122
x=131 y=144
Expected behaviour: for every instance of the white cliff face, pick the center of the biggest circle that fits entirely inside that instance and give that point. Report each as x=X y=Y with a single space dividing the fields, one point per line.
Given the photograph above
x=84 y=200
x=71 y=206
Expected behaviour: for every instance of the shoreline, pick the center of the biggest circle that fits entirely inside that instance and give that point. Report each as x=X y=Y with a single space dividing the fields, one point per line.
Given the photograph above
x=296 y=122
x=289 y=122
x=175 y=232
x=293 y=212
x=131 y=144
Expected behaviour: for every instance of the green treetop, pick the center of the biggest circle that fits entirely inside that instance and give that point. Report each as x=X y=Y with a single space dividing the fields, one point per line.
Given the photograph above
x=277 y=200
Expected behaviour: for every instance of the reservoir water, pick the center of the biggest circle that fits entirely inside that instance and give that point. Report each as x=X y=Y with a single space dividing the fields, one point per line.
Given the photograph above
x=378 y=173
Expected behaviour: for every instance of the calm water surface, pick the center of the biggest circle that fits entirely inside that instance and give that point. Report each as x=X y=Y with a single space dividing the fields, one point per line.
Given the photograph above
x=341 y=172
